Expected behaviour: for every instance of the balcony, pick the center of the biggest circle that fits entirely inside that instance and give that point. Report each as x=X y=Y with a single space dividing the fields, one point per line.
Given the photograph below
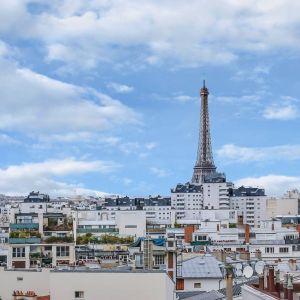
x=61 y=227
x=97 y=230
x=200 y=243
x=293 y=242
x=156 y=230
x=40 y=255
x=22 y=226
x=30 y=240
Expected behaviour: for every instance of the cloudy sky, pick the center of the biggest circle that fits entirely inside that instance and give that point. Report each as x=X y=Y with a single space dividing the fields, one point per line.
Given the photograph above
x=103 y=96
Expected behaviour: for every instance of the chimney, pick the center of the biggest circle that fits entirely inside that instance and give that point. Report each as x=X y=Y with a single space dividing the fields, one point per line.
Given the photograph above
x=261 y=282
x=285 y=283
x=223 y=256
x=258 y=254
x=266 y=278
x=245 y=255
x=290 y=289
x=247 y=233
x=292 y=264
x=271 y=284
x=229 y=293
x=188 y=233
x=277 y=286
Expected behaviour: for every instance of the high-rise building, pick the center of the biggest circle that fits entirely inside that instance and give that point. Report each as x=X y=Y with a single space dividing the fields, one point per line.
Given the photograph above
x=204 y=163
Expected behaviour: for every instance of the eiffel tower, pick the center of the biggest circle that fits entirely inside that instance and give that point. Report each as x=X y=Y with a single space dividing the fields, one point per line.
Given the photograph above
x=205 y=163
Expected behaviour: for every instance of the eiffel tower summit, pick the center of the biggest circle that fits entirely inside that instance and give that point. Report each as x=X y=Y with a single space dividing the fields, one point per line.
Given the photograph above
x=204 y=163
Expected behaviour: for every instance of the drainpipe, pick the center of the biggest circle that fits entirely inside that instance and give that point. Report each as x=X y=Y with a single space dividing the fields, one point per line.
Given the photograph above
x=285 y=283
x=290 y=288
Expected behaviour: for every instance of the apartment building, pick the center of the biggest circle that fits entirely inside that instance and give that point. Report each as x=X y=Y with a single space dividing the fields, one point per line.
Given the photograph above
x=251 y=204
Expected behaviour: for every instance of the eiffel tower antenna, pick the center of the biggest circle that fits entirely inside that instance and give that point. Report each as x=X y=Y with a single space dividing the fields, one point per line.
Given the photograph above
x=204 y=163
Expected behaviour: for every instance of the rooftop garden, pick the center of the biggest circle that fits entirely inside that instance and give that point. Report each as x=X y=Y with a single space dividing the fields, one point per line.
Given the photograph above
x=104 y=239
x=24 y=234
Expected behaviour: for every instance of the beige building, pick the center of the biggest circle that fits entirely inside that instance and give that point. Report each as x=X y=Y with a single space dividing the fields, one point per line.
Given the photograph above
x=288 y=204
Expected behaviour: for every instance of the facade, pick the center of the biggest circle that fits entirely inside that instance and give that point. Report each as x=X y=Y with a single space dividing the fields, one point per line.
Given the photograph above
x=185 y=197
x=288 y=204
x=251 y=204
x=216 y=191
x=105 y=284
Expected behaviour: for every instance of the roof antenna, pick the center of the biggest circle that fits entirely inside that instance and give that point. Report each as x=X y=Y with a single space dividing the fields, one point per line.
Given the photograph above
x=204 y=83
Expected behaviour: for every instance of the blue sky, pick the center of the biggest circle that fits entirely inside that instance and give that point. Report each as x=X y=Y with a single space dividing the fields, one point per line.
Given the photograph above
x=103 y=96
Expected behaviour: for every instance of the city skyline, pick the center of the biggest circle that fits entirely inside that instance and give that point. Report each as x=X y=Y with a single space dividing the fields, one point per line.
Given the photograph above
x=105 y=97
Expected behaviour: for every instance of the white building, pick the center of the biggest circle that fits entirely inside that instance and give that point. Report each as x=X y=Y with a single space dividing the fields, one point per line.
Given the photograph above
x=100 y=284
x=200 y=273
x=186 y=197
x=250 y=203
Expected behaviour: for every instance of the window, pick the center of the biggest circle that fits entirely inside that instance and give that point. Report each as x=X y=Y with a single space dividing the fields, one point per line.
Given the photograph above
x=283 y=250
x=62 y=251
x=130 y=226
x=18 y=252
x=79 y=294
x=269 y=250
x=197 y=285
x=159 y=259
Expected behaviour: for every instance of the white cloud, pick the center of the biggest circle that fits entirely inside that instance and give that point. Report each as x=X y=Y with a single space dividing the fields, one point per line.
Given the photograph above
x=79 y=137
x=273 y=184
x=88 y=33
x=256 y=74
x=243 y=98
x=31 y=102
x=159 y=172
x=185 y=98
x=281 y=112
x=139 y=149
x=43 y=176
x=6 y=139
x=231 y=152
x=151 y=145
x=120 y=88
x=127 y=181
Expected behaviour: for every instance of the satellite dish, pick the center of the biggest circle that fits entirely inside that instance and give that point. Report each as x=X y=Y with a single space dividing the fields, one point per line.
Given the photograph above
x=259 y=267
x=248 y=272
x=239 y=266
x=238 y=272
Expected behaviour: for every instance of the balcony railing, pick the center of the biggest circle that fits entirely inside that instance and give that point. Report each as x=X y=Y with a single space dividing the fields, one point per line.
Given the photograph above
x=156 y=230
x=30 y=240
x=198 y=243
x=20 y=226
x=97 y=230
